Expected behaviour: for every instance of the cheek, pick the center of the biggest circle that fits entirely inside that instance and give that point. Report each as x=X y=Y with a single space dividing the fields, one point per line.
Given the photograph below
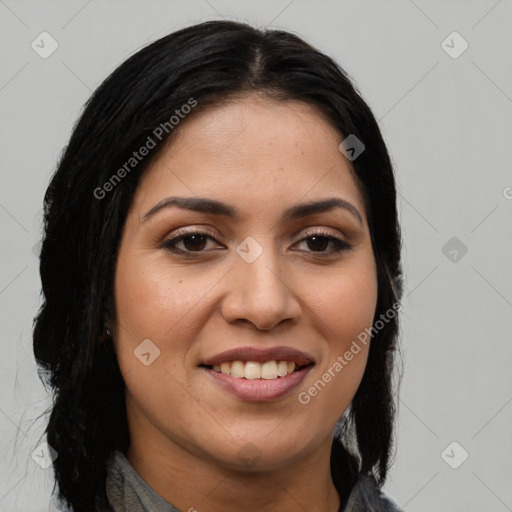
x=166 y=305
x=343 y=308
x=146 y=308
x=344 y=304
x=153 y=299
x=353 y=309
x=155 y=313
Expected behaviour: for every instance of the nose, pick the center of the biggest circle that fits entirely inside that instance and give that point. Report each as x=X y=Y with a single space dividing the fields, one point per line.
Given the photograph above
x=260 y=293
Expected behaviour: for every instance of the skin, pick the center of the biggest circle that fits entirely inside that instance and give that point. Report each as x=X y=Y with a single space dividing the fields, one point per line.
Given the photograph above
x=260 y=156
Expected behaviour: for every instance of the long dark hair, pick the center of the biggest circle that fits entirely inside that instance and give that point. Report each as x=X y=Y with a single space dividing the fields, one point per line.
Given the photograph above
x=206 y=64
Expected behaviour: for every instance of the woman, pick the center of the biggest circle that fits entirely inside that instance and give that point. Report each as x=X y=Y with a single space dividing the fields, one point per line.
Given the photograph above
x=221 y=274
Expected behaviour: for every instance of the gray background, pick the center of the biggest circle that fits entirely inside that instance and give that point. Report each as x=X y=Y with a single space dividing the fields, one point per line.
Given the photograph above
x=447 y=123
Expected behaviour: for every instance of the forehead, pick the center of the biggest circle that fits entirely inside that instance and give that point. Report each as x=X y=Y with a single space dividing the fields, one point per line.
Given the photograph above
x=252 y=149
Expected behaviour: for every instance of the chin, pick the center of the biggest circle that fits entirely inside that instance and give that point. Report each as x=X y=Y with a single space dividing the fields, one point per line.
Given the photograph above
x=261 y=453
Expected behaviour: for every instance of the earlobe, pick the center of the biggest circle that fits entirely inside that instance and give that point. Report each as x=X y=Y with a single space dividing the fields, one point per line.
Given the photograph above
x=105 y=335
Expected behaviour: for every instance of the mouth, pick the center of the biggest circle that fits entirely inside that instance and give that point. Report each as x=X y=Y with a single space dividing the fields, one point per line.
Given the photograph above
x=268 y=370
x=258 y=375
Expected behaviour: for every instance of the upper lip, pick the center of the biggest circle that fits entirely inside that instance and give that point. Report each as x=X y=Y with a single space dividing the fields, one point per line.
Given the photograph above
x=260 y=355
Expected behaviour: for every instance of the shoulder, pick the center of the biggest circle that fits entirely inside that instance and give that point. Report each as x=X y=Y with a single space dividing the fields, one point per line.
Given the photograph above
x=367 y=497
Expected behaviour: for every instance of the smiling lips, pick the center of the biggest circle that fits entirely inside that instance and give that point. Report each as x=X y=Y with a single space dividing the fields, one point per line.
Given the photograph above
x=254 y=370
x=256 y=374
x=256 y=363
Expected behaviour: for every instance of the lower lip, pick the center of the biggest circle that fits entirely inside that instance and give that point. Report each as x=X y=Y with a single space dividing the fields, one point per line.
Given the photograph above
x=259 y=390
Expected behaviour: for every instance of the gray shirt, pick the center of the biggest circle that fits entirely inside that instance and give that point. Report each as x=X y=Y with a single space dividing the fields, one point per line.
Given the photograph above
x=128 y=492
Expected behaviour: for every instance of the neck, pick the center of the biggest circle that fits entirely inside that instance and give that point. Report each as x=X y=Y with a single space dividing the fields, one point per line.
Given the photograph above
x=191 y=483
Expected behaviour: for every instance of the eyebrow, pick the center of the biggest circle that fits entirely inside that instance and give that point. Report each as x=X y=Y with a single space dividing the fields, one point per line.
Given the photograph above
x=215 y=207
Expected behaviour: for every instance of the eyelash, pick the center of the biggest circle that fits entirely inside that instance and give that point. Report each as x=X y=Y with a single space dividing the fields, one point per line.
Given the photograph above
x=339 y=245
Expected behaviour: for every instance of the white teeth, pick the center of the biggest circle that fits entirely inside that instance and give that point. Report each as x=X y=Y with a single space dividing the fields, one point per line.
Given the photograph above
x=282 y=368
x=252 y=370
x=268 y=370
x=237 y=369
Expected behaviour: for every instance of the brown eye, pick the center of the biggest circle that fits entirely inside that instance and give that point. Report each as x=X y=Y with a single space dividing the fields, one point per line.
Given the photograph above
x=194 y=242
x=318 y=243
x=188 y=243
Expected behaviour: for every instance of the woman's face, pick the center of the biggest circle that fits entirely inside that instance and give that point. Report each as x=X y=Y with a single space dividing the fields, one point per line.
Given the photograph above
x=263 y=284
